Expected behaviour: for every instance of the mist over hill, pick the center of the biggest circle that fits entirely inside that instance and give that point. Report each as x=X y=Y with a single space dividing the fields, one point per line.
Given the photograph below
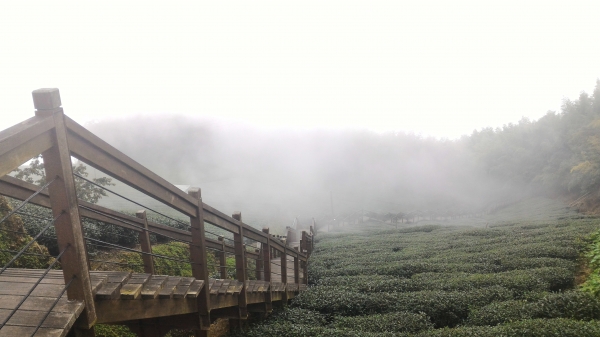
x=295 y=172
x=291 y=172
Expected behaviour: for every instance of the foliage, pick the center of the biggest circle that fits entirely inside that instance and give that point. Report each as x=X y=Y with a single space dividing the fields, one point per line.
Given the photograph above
x=592 y=284
x=571 y=304
x=12 y=241
x=393 y=322
x=559 y=153
x=86 y=191
x=511 y=279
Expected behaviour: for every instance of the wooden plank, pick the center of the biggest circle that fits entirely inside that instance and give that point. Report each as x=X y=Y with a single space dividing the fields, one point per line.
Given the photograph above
x=169 y=287
x=21 y=279
x=109 y=291
x=224 y=286
x=214 y=286
x=182 y=288
x=118 y=277
x=131 y=291
x=56 y=320
x=153 y=286
x=15 y=330
x=138 y=278
x=41 y=304
x=102 y=156
x=195 y=288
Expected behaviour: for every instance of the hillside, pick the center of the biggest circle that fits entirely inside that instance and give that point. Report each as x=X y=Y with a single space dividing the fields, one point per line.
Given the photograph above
x=511 y=273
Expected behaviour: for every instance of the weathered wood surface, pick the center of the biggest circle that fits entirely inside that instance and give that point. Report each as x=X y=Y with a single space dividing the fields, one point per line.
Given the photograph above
x=16 y=283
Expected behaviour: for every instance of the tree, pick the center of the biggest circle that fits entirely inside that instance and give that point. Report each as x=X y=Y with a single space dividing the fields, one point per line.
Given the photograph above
x=86 y=191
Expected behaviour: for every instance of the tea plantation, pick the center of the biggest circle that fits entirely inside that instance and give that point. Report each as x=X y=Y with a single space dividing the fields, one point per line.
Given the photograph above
x=506 y=274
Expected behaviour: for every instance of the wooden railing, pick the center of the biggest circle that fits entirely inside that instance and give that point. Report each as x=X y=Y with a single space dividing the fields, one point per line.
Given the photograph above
x=57 y=137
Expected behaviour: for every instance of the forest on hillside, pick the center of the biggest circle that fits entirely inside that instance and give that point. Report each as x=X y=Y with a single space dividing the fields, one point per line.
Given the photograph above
x=290 y=172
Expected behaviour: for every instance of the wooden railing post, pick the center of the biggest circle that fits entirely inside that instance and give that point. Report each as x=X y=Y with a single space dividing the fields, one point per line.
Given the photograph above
x=240 y=266
x=259 y=265
x=63 y=199
x=266 y=251
x=296 y=269
x=222 y=259
x=144 y=238
x=284 y=280
x=305 y=271
x=199 y=266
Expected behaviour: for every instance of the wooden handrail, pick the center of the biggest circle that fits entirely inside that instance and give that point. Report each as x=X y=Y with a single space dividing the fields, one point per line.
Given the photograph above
x=21 y=190
x=58 y=137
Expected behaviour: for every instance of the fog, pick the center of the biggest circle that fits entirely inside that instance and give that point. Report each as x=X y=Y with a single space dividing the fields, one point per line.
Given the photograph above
x=273 y=175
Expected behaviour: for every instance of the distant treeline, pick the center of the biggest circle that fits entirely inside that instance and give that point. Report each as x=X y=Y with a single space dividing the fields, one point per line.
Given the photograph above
x=292 y=172
x=558 y=154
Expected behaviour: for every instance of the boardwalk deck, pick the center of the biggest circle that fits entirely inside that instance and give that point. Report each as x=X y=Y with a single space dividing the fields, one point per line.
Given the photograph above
x=120 y=297
x=33 y=312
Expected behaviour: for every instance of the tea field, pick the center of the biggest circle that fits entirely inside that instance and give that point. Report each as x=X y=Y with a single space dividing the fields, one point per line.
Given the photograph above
x=513 y=273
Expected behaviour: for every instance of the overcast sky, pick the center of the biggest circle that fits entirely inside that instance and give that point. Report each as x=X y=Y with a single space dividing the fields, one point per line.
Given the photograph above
x=435 y=68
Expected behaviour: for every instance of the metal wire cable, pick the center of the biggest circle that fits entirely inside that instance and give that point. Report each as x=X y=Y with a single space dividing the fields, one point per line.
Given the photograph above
x=108 y=244
x=32 y=254
x=130 y=200
x=34 y=286
x=133 y=225
x=26 y=201
x=31 y=215
x=29 y=244
x=87 y=227
x=53 y=305
x=121 y=263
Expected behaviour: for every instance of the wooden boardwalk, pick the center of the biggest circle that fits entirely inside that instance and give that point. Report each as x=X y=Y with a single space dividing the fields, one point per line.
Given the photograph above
x=120 y=297
x=36 y=302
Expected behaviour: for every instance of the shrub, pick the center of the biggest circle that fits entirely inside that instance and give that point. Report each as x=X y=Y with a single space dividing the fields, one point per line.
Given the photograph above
x=392 y=322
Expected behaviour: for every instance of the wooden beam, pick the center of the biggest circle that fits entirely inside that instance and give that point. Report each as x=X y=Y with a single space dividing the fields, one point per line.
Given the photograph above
x=102 y=156
x=12 y=187
x=63 y=199
x=240 y=266
x=144 y=238
x=222 y=259
x=114 y=311
x=199 y=260
x=24 y=141
x=266 y=251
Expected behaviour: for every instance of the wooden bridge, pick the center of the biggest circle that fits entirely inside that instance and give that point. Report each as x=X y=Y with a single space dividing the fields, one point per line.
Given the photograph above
x=51 y=302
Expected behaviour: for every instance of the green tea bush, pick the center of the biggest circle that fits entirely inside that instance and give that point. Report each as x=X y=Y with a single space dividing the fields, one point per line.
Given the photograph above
x=502 y=281
x=392 y=322
x=525 y=328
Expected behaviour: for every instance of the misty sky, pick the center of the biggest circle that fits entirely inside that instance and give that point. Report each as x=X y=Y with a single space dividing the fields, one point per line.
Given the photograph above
x=435 y=68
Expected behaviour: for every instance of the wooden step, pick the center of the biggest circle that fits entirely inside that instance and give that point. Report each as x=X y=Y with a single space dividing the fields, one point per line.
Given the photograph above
x=109 y=291
x=133 y=289
x=169 y=287
x=153 y=286
x=195 y=288
x=183 y=287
